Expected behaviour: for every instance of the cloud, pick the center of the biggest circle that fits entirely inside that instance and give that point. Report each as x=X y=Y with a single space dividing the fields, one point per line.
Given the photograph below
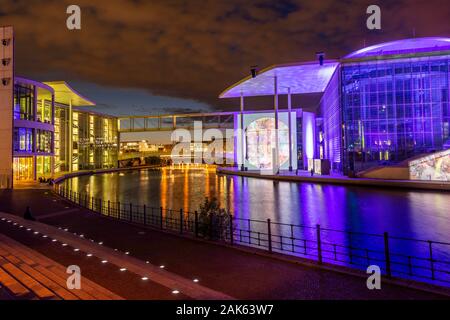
x=195 y=48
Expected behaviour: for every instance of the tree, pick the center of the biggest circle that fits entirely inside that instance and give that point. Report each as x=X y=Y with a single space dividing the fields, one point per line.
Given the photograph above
x=213 y=221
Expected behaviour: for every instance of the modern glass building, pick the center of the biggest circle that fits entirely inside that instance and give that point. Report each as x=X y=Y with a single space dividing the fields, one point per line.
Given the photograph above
x=34 y=126
x=395 y=101
x=53 y=134
x=381 y=106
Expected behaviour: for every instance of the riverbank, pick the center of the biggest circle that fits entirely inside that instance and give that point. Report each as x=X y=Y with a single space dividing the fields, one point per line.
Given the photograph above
x=304 y=176
x=243 y=273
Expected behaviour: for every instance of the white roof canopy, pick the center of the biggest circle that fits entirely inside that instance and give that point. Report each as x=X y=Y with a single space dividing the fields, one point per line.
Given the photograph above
x=301 y=78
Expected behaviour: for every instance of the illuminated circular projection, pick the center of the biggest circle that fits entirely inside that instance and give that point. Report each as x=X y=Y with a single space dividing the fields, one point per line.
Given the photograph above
x=260 y=140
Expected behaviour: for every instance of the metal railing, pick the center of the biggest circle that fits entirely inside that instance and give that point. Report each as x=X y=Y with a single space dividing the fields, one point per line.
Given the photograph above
x=422 y=260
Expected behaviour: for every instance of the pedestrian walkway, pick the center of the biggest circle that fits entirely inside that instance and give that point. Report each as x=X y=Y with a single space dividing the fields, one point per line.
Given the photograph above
x=27 y=274
x=67 y=241
x=238 y=273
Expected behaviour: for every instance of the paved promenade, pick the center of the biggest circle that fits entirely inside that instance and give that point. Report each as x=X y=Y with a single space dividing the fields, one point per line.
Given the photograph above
x=220 y=270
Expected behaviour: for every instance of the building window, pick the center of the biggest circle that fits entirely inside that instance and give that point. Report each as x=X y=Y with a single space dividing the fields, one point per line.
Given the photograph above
x=23 y=102
x=43 y=141
x=23 y=140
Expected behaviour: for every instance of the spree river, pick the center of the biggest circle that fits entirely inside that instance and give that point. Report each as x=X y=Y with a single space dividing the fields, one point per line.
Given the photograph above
x=365 y=211
x=405 y=213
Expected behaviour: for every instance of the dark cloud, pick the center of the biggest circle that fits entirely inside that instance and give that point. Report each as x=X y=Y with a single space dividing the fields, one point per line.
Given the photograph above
x=195 y=48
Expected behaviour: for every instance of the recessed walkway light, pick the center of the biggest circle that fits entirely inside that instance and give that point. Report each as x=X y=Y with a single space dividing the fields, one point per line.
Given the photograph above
x=81 y=235
x=64 y=244
x=144 y=278
x=35 y=232
x=89 y=255
x=54 y=240
x=104 y=261
x=162 y=266
x=123 y=269
x=28 y=229
x=195 y=280
x=175 y=292
x=76 y=249
x=15 y=224
x=66 y=229
x=147 y=262
x=3 y=219
x=44 y=236
x=127 y=252
x=100 y=243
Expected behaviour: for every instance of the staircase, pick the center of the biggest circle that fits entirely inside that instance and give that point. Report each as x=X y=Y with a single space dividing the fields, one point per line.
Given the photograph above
x=27 y=275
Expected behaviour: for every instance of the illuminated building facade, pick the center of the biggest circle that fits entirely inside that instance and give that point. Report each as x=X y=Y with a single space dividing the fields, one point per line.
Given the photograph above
x=380 y=106
x=44 y=129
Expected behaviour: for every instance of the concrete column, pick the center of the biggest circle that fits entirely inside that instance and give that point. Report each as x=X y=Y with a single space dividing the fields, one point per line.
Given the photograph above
x=275 y=166
x=242 y=132
x=290 y=128
x=70 y=131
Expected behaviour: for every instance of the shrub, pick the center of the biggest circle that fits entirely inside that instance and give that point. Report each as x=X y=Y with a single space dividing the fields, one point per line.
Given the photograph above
x=213 y=221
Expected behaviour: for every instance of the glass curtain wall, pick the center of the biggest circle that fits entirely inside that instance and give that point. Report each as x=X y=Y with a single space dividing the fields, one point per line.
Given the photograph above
x=23 y=102
x=394 y=109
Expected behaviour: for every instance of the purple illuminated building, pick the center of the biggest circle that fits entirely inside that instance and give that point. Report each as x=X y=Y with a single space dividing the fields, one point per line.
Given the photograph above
x=379 y=106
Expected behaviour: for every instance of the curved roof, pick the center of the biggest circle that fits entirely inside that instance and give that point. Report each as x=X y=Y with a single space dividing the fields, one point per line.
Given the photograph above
x=65 y=94
x=306 y=77
x=406 y=46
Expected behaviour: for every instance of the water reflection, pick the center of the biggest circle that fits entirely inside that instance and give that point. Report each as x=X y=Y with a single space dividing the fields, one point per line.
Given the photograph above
x=417 y=214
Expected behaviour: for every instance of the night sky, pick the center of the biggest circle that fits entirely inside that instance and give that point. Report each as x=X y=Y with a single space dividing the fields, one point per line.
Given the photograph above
x=157 y=57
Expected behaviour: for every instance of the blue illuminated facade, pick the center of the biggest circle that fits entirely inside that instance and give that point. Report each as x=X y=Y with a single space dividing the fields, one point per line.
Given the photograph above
x=382 y=105
x=394 y=109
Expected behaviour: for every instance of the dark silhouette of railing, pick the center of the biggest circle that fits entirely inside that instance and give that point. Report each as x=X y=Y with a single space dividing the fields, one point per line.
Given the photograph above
x=423 y=260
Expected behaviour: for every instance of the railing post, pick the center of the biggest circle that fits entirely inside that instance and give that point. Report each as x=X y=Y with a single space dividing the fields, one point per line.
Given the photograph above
x=101 y=205
x=181 y=221
x=161 y=217
x=92 y=203
x=387 y=255
x=211 y=235
x=431 y=259
x=118 y=210
x=145 y=214
x=109 y=208
x=196 y=223
x=269 y=235
x=319 y=245
x=131 y=212
x=231 y=229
